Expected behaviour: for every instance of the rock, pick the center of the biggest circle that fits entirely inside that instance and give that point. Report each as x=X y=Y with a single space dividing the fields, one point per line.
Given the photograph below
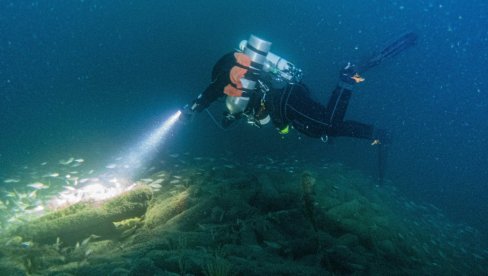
x=268 y=197
x=120 y=272
x=328 y=202
x=84 y=219
x=387 y=247
x=348 y=240
x=144 y=266
x=11 y=269
x=163 y=210
x=348 y=209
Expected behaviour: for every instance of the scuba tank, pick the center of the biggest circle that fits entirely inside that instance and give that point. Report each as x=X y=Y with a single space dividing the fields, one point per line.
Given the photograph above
x=277 y=66
x=257 y=50
x=262 y=61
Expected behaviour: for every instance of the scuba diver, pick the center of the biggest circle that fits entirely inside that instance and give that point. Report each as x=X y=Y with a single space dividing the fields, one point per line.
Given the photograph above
x=263 y=87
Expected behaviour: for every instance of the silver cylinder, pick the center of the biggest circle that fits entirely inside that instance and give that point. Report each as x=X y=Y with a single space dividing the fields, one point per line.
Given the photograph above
x=260 y=45
x=236 y=105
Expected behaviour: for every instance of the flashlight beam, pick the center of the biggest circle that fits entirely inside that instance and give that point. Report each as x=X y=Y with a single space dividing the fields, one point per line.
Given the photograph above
x=148 y=147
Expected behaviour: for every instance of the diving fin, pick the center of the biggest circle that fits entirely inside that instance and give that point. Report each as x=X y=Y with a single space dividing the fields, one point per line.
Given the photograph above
x=382 y=155
x=396 y=46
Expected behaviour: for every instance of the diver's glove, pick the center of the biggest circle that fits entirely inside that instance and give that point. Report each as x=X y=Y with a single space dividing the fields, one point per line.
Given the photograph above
x=381 y=136
x=349 y=76
x=187 y=114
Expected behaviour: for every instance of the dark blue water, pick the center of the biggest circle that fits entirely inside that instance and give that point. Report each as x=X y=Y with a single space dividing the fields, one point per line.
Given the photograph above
x=88 y=77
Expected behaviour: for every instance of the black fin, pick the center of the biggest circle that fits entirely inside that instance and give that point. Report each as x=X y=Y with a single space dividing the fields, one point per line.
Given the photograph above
x=393 y=48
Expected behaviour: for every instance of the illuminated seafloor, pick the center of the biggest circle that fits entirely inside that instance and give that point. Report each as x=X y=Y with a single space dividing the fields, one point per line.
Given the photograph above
x=212 y=216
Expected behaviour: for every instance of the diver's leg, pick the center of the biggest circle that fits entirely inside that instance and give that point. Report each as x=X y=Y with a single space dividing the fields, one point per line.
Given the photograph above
x=353 y=129
x=339 y=100
x=360 y=130
x=337 y=105
x=306 y=115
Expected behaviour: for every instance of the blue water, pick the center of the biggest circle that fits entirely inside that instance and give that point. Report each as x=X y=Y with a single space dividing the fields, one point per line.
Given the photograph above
x=88 y=77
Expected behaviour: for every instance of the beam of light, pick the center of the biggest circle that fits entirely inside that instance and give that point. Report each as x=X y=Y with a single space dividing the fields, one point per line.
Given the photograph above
x=117 y=180
x=120 y=179
x=144 y=152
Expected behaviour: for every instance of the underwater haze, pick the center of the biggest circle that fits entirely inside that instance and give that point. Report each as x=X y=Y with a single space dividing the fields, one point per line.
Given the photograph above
x=87 y=79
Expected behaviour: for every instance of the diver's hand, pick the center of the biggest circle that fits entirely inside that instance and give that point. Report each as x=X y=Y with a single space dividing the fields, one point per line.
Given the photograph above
x=187 y=114
x=349 y=74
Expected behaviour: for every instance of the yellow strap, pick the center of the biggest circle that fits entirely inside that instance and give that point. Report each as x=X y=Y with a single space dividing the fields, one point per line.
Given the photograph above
x=285 y=130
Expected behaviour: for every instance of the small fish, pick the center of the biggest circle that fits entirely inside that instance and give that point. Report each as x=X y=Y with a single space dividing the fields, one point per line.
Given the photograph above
x=58 y=244
x=11 y=180
x=174 y=181
x=51 y=175
x=88 y=252
x=155 y=186
x=442 y=255
x=157 y=181
x=174 y=155
x=27 y=244
x=11 y=194
x=80 y=160
x=86 y=241
x=273 y=245
x=33 y=194
x=38 y=186
x=478 y=256
x=66 y=162
x=111 y=166
x=43 y=163
x=34 y=208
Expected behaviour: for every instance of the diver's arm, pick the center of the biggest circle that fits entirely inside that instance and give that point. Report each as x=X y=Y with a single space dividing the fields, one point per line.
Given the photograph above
x=215 y=90
x=209 y=95
x=205 y=99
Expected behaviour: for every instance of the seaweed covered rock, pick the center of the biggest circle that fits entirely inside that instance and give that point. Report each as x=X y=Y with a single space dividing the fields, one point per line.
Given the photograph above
x=84 y=219
x=216 y=220
x=164 y=209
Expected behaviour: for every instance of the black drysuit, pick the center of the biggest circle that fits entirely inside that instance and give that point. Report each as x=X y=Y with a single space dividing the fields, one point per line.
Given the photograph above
x=292 y=105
